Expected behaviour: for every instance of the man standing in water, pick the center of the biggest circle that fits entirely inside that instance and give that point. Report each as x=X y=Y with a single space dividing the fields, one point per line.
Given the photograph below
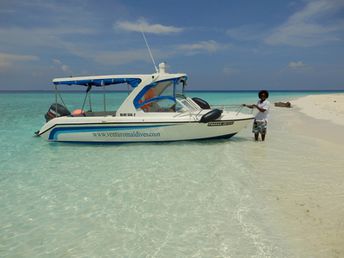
x=261 y=119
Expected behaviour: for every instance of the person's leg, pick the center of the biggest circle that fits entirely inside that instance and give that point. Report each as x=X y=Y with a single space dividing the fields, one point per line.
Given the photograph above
x=255 y=130
x=263 y=131
x=263 y=136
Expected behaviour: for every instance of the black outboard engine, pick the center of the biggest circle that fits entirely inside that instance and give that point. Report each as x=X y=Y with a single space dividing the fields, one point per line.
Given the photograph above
x=201 y=103
x=211 y=116
x=56 y=110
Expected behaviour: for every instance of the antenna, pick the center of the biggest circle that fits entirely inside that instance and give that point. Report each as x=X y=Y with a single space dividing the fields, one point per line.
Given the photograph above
x=150 y=52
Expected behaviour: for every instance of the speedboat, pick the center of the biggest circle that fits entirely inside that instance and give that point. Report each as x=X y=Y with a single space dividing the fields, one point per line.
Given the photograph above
x=156 y=110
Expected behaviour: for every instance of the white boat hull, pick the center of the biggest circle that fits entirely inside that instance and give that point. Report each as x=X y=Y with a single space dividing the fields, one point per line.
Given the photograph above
x=121 y=132
x=156 y=110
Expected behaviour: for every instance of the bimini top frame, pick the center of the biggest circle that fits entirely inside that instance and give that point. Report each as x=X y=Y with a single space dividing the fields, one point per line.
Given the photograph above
x=140 y=83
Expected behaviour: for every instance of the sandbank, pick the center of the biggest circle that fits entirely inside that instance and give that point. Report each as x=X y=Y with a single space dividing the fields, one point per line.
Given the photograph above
x=303 y=180
x=325 y=106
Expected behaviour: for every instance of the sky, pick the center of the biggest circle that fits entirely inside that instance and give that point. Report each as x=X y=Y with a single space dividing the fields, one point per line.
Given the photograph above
x=219 y=44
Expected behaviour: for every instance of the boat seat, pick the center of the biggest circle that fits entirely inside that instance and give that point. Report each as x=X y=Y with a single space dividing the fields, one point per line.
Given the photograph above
x=101 y=113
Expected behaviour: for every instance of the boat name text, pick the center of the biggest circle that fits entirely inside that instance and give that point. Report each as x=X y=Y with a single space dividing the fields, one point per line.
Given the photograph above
x=220 y=123
x=126 y=134
x=127 y=114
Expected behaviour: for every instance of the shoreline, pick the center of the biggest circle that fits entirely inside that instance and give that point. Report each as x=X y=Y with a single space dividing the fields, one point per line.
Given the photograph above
x=328 y=107
x=319 y=116
x=279 y=198
x=302 y=180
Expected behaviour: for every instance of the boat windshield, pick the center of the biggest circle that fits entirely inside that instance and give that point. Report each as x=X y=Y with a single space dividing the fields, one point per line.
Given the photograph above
x=179 y=88
x=160 y=96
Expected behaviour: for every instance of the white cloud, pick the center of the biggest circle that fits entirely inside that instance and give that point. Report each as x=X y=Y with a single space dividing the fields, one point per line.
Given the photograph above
x=209 y=46
x=146 y=27
x=120 y=57
x=61 y=26
x=65 y=68
x=57 y=61
x=296 y=65
x=39 y=37
x=308 y=27
x=7 y=60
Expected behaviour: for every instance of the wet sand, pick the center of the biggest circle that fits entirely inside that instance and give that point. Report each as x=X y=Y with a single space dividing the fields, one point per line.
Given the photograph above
x=303 y=184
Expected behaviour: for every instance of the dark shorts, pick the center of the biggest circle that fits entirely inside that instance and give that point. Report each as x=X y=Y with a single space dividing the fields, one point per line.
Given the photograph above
x=259 y=127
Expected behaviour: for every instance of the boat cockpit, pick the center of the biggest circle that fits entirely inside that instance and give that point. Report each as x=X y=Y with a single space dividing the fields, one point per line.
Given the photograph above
x=162 y=96
x=166 y=95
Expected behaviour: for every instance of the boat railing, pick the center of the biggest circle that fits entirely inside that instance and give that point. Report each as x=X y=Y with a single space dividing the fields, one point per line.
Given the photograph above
x=233 y=108
x=189 y=108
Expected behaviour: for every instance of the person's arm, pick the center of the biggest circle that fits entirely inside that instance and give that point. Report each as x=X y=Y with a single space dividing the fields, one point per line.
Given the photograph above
x=260 y=109
x=248 y=106
x=255 y=106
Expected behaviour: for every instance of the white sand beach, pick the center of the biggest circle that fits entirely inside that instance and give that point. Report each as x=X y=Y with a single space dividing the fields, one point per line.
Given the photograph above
x=305 y=183
x=325 y=106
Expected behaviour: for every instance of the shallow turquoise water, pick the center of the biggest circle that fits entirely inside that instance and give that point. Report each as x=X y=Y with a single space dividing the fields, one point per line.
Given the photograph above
x=178 y=199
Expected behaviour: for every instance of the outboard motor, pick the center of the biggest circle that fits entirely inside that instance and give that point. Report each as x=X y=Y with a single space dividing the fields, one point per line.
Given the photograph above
x=201 y=103
x=211 y=116
x=56 y=110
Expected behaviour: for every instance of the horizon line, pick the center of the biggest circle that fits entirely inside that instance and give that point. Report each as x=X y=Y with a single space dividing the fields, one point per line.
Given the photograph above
x=125 y=91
